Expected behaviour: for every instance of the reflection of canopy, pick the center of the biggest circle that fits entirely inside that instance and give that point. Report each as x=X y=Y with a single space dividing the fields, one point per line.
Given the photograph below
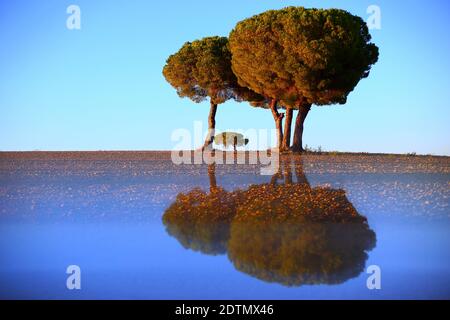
x=200 y=221
x=289 y=233
x=295 y=234
x=296 y=252
x=279 y=202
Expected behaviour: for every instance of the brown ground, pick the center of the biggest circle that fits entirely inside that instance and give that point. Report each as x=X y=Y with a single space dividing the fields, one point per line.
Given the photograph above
x=313 y=162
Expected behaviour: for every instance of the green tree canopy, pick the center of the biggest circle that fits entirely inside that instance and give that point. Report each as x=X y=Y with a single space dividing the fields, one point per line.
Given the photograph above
x=231 y=139
x=202 y=69
x=302 y=56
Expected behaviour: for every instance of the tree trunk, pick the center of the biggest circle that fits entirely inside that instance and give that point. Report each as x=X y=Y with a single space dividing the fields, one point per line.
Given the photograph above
x=299 y=172
x=287 y=170
x=278 y=117
x=287 y=129
x=211 y=126
x=297 y=145
x=212 y=177
x=276 y=177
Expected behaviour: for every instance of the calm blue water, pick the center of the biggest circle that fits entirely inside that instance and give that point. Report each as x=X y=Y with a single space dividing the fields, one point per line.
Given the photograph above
x=106 y=217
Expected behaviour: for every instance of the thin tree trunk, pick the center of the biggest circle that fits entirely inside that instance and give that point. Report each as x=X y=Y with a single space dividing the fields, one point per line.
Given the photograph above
x=297 y=145
x=211 y=126
x=212 y=177
x=287 y=170
x=276 y=177
x=287 y=129
x=278 y=117
x=299 y=172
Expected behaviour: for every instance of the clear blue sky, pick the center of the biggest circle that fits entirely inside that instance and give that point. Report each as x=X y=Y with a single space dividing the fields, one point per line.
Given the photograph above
x=101 y=87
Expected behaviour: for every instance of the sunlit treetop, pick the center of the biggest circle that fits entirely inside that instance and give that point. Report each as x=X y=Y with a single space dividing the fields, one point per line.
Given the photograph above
x=300 y=55
x=202 y=69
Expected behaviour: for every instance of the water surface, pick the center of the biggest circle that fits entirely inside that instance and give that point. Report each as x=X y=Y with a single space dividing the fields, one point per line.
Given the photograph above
x=141 y=227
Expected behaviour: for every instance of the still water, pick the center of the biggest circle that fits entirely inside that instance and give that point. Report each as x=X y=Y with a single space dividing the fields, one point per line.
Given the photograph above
x=140 y=227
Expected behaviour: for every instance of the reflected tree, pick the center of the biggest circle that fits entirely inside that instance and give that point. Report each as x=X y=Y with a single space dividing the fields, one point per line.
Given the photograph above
x=200 y=220
x=296 y=251
x=294 y=234
x=284 y=231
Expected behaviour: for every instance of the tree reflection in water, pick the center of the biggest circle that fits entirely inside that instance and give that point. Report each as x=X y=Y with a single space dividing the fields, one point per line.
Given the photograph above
x=200 y=220
x=288 y=232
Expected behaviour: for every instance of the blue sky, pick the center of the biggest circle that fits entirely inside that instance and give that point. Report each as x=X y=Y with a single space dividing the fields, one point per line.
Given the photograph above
x=101 y=87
